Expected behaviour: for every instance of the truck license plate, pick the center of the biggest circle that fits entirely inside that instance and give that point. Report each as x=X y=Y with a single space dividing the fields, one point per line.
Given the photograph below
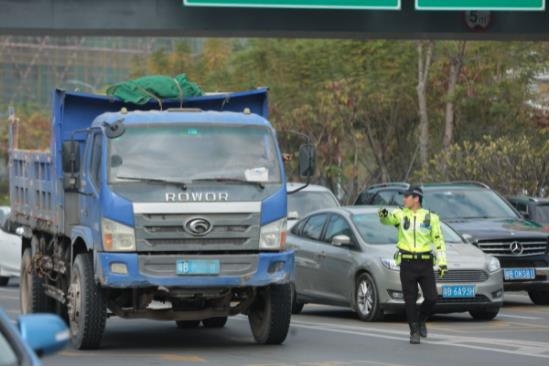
x=458 y=291
x=196 y=267
x=519 y=273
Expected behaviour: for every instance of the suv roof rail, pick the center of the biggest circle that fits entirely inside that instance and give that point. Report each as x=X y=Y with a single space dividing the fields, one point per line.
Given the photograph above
x=470 y=182
x=386 y=184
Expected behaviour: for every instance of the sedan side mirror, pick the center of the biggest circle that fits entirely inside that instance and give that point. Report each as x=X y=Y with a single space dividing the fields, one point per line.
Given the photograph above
x=44 y=333
x=341 y=240
x=293 y=215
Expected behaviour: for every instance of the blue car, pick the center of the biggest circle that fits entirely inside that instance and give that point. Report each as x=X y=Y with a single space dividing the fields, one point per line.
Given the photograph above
x=31 y=336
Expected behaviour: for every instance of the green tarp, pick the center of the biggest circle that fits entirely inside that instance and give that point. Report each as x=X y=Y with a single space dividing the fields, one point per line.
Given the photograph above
x=158 y=87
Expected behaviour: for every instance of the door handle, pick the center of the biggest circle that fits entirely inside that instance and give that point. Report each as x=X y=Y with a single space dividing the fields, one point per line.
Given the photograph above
x=321 y=254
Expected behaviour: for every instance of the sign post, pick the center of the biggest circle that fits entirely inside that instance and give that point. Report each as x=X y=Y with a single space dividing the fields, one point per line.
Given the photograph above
x=301 y=4
x=493 y=5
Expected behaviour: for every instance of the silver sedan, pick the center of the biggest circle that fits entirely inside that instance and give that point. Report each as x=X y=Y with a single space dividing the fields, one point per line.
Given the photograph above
x=344 y=257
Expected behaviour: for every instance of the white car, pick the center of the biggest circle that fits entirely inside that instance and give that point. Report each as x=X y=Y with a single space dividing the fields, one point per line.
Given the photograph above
x=10 y=249
x=310 y=199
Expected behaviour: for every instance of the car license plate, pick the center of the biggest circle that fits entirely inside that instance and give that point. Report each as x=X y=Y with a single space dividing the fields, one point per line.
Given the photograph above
x=195 y=267
x=458 y=291
x=519 y=273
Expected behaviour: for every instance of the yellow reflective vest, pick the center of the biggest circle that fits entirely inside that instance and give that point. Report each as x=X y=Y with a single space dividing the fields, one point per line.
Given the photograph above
x=418 y=231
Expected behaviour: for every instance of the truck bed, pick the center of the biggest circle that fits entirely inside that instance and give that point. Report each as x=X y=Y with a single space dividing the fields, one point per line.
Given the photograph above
x=32 y=189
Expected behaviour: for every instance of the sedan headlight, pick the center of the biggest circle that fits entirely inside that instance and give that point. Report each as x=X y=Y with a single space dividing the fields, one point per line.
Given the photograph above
x=117 y=236
x=273 y=235
x=390 y=264
x=493 y=264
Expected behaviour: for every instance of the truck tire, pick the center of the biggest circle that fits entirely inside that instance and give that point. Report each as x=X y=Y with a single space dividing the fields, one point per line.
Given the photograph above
x=539 y=297
x=484 y=315
x=187 y=324
x=270 y=314
x=86 y=305
x=215 y=322
x=32 y=298
x=367 y=303
x=4 y=281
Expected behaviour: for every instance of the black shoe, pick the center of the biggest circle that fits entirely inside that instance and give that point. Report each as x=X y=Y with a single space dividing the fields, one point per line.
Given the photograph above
x=414 y=337
x=423 y=329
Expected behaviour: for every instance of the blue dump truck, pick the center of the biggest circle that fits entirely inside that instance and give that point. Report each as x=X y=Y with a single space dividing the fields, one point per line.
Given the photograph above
x=169 y=214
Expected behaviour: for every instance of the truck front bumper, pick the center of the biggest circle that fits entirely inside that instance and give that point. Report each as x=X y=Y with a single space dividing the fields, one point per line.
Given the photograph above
x=136 y=270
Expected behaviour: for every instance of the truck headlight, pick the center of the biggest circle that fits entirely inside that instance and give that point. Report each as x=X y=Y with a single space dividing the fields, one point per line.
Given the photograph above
x=273 y=235
x=390 y=264
x=117 y=236
x=493 y=264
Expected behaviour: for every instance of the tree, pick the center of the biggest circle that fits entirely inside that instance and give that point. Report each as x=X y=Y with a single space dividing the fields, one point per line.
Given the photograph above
x=424 y=61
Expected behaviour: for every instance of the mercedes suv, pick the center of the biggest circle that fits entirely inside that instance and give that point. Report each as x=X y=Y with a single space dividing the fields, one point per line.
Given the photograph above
x=487 y=220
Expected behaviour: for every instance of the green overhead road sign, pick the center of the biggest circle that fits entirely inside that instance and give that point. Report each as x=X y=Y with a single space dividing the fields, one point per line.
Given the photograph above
x=303 y=4
x=501 y=5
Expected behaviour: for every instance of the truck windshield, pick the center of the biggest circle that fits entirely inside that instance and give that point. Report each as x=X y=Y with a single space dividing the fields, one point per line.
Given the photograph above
x=468 y=204
x=194 y=153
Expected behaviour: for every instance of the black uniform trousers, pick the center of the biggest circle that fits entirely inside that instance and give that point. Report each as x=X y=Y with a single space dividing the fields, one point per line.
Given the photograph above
x=418 y=272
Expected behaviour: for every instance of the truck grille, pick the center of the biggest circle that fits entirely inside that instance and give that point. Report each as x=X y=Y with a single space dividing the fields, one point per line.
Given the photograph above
x=167 y=232
x=463 y=276
x=529 y=247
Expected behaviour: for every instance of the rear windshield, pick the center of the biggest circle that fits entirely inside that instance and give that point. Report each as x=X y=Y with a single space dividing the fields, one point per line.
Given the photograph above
x=305 y=202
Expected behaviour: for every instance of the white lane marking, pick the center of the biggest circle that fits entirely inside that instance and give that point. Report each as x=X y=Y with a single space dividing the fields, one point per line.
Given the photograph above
x=9 y=290
x=15 y=298
x=519 y=316
x=541 y=349
x=454 y=343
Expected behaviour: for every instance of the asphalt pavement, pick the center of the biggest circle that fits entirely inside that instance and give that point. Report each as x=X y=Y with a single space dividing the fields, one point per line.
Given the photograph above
x=322 y=335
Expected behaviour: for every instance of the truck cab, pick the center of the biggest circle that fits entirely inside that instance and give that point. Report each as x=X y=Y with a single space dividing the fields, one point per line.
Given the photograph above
x=175 y=214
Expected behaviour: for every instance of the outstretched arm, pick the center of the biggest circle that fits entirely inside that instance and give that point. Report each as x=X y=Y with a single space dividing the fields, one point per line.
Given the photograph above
x=392 y=217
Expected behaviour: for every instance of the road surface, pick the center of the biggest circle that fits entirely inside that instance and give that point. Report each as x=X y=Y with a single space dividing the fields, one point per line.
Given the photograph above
x=322 y=335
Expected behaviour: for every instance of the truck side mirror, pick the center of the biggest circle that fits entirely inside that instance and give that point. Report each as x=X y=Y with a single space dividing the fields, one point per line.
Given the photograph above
x=71 y=164
x=306 y=160
x=71 y=156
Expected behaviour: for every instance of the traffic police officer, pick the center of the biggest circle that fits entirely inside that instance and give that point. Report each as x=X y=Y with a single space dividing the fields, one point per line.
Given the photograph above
x=419 y=234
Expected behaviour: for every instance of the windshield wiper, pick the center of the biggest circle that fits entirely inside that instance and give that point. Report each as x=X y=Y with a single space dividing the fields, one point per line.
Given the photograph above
x=230 y=179
x=181 y=184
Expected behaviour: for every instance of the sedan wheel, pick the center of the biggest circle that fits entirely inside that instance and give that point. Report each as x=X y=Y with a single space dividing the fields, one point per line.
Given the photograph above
x=367 y=302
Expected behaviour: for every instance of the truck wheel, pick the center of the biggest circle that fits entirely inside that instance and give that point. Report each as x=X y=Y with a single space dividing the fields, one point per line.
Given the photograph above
x=539 y=297
x=367 y=304
x=4 y=281
x=31 y=291
x=215 y=322
x=270 y=314
x=484 y=315
x=187 y=324
x=86 y=305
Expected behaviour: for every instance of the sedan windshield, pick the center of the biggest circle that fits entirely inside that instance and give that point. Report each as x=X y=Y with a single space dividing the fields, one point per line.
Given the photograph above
x=468 y=204
x=305 y=202
x=376 y=233
x=187 y=153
